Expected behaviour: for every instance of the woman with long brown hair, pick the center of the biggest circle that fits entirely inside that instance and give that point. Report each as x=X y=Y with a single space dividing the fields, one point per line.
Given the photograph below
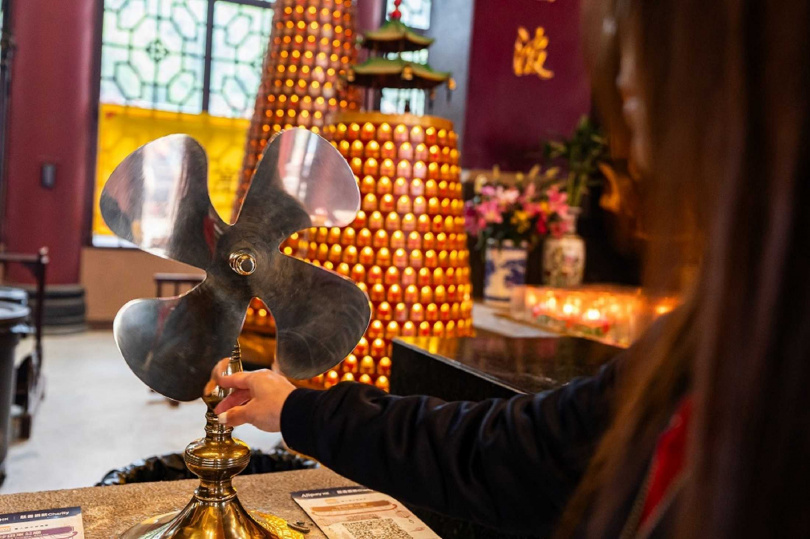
x=702 y=429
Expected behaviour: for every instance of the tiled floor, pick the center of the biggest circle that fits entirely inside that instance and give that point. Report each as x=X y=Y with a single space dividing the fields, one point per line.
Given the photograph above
x=98 y=416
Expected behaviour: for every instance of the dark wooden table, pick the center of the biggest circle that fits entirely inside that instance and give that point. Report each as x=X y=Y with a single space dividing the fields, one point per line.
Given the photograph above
x=490 y=365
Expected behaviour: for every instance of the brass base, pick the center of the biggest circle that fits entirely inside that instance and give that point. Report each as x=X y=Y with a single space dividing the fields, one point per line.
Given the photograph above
x=168 y=525
x=215 y=512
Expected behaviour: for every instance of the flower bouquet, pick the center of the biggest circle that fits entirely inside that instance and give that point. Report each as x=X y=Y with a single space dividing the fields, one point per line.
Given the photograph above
x=511 y=219
x=522 y=213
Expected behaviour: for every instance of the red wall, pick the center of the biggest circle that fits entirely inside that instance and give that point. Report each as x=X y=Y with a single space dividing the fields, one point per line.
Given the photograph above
x=51 y=118
x=507 y=116
x=368 y=15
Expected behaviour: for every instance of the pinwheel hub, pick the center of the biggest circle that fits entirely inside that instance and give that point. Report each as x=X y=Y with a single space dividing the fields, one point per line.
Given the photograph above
x=243 y=262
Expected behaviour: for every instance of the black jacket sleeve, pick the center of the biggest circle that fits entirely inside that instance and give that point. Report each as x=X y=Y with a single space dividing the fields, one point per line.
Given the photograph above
x=509 y=463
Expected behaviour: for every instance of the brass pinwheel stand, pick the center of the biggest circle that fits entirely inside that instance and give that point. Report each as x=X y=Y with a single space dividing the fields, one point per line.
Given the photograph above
x=215 y=510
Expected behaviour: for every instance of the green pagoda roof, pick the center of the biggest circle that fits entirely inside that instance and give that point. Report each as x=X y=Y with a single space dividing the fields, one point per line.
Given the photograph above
x=395 y=73
x=394 y=36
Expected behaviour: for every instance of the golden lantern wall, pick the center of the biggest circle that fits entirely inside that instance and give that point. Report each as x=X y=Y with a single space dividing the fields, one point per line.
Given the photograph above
x=407 y=248
x=311 y=46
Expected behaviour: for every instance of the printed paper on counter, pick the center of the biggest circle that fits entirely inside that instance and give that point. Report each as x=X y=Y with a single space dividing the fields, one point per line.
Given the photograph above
x=361 y=513
x=65 y=523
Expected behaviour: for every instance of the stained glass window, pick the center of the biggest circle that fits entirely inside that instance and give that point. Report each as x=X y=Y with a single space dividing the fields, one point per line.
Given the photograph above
x=153 y=54
x=240 y=35
x=170 y=66
x=415 y=13
x=156 y=54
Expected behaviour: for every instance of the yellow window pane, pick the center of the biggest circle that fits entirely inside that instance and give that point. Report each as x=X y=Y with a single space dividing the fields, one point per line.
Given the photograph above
x=123 y=130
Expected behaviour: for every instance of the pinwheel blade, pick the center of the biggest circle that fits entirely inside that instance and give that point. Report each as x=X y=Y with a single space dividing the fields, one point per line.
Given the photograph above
x=303 y=181
x=320 y=316
x=172 y=344
x=157 y=198
x=309 y=169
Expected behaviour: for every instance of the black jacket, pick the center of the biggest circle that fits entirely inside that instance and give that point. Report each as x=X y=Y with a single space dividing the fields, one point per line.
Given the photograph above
x=507 y=463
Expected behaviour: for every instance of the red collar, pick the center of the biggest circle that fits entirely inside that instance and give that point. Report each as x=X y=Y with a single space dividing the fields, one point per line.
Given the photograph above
x=668 y=464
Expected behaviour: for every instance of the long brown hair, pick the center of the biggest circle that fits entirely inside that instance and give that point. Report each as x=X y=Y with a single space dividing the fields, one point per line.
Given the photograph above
x=727 y=87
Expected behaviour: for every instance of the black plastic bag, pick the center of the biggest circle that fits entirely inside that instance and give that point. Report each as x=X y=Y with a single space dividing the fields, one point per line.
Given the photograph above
x=171 y=467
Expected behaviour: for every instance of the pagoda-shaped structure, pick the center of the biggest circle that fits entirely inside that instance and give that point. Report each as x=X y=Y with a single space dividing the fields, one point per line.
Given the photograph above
x=407 y=248
x=387 y=67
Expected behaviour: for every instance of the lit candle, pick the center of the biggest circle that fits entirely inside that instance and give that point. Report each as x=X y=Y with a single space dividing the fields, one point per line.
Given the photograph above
x=384 y=185
x=362 y=348
x=408 y=276
x=367 y=365
x=350 y=364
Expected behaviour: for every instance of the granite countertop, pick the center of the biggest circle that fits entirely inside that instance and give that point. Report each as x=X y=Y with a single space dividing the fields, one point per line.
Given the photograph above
x=109 y=511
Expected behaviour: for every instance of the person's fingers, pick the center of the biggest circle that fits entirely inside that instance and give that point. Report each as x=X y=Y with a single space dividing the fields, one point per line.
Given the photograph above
x=240 y=396
x=234 y=417
x=238 y=380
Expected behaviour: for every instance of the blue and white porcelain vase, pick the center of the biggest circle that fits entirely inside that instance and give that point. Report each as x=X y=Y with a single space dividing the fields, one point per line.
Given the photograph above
x=564 y=257
x=505 y=269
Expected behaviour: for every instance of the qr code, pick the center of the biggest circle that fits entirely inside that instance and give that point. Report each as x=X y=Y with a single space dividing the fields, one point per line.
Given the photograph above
x=383 y=528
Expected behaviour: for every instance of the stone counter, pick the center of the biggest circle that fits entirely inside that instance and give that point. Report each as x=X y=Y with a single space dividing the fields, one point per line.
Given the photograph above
x=109 y=511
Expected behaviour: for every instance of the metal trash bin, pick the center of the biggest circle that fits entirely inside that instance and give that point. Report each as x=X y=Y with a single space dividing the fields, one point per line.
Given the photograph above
x=13 y=294
x=13 y=324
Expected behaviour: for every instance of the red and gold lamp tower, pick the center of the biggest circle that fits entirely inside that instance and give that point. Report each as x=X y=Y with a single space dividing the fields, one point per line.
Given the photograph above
x=407 y=248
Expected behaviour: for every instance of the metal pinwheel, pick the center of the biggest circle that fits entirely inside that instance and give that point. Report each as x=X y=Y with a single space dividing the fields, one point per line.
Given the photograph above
x=158 y=199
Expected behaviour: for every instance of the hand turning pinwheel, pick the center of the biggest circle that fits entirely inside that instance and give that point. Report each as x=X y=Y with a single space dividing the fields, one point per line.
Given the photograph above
x=158 y=199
